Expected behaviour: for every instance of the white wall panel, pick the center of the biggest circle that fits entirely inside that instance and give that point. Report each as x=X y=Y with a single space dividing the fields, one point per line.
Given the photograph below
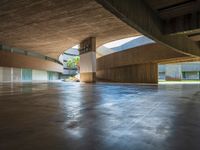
x=1 y=74
x=6 y=74
x=39 y=75
x=88 y=62
x=16 y=74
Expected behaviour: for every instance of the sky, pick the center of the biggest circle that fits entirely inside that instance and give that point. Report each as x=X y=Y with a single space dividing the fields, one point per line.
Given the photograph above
x=120 y=42
x=75 y=47
x=114 y=43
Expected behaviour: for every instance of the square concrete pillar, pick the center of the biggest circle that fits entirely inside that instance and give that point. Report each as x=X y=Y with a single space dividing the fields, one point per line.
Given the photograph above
x=88 y=60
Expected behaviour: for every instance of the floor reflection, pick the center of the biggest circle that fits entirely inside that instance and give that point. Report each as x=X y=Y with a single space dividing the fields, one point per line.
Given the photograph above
x=99 y=116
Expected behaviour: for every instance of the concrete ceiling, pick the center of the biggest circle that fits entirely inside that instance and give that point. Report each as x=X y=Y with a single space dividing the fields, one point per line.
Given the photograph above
x=52 y=26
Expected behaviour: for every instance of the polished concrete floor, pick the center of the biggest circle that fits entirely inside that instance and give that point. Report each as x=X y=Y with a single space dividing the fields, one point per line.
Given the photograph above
x=74 y=116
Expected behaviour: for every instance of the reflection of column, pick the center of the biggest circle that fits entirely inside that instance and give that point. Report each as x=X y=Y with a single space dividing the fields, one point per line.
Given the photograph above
x=88 y=60
x=11 y=74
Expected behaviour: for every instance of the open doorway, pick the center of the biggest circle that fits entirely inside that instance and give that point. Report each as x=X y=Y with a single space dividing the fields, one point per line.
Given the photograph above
x=186 y=72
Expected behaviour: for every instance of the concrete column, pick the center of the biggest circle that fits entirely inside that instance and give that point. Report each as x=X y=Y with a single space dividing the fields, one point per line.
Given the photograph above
x=88 y=60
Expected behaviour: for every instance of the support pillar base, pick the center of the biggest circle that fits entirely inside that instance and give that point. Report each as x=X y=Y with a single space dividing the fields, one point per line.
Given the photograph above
x=88 y=77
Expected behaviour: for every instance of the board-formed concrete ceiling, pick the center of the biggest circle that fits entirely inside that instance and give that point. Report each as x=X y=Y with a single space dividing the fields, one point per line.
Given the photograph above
x=52 y=26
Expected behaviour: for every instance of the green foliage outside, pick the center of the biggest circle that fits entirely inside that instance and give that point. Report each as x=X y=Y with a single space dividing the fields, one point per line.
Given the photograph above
x=73 y=62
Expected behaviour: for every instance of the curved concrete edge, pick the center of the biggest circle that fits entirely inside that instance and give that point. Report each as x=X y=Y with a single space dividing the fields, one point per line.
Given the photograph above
x=8 y=59
x=151 y=53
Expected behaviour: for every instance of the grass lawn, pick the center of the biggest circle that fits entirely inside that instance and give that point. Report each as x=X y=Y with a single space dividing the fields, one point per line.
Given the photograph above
x=179 y=82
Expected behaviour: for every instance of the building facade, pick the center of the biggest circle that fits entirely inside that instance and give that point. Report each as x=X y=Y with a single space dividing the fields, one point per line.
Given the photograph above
x=182 y=71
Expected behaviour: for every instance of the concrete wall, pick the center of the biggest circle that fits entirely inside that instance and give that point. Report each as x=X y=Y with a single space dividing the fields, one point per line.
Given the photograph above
x=14 y=68
x=141 y=73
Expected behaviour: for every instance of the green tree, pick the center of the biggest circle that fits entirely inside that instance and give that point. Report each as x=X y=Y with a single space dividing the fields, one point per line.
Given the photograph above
x=76 y=60
x=73 y=62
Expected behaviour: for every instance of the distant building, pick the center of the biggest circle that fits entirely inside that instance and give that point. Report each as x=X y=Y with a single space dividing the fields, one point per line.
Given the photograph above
x=181 y=71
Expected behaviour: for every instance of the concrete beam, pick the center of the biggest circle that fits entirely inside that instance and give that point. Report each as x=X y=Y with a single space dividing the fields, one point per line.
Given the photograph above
x=186 y=24
x=151 y=53
x=8 y=59
x=139 y=15
x=177 y=8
